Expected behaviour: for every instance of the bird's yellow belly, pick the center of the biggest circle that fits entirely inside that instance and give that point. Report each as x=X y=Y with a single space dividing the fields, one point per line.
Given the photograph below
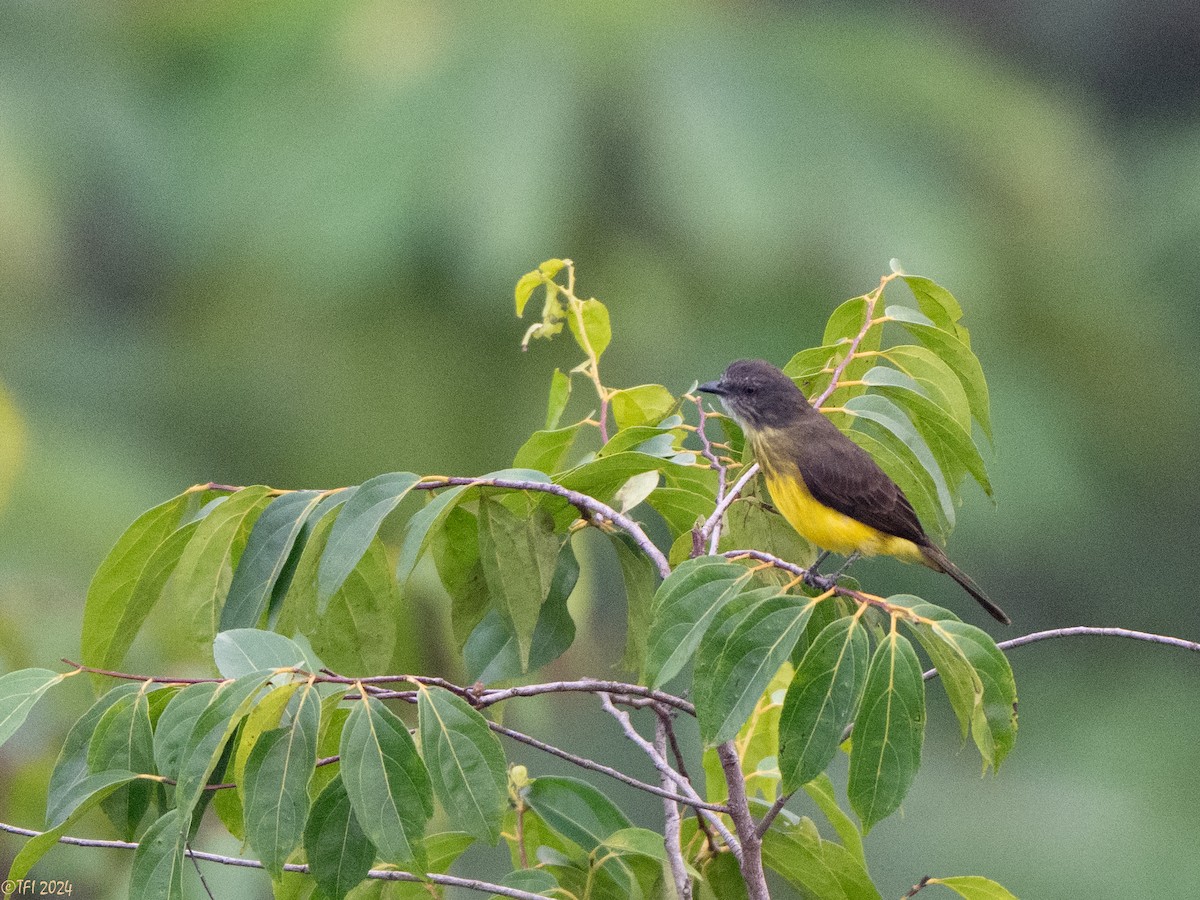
x=827 y=528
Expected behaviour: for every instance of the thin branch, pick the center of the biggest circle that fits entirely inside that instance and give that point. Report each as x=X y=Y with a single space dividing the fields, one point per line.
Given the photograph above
x=681 y=765
x=868 y=320
x=713 y=523
x=584 y=763
x=916 y=888
x=664 y=769
x=743 y=822
x=1080 y=630
x=672 y=833
x=241 y=862
x=585 y=685
x=776 y=808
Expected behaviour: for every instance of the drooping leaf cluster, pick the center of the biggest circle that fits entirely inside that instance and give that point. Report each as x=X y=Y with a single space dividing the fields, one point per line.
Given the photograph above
x=289 y=586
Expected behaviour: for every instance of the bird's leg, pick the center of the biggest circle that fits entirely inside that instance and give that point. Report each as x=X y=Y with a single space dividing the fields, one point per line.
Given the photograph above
x=812 y=577
x=850 y=560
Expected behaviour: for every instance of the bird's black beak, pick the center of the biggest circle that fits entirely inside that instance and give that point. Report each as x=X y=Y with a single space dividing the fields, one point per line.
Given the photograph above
x=712 y=387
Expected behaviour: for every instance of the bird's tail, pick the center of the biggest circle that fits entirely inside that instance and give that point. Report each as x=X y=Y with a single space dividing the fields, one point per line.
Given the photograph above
x=936 y=559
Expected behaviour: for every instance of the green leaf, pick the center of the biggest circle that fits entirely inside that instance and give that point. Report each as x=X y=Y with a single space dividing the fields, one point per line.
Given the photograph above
x=888 y=732
x=19 y=691
x=820 y=790
x=205 y=569
x=639 y=576
x=491 y=652
x=71 y=768
x=845 y=322
x=976 y=675
x=646 y=404
x=526 y=285
x=206 y=742
x=636 y=842
x=535 y=881
x=958 y=356
x=158 y=862
x=175 y=725
x=356 y=527
x=937 y=303
x=72 y=805
x=124 y=740
x=939 y=381
x=546 y=451
x=118 y=576
x=749 y=525
x=576 y=810
x=813 y=361
x=267 y=551
x=465 y=761
x=455 y=552
x=560 y=393
x=974 y=887
x=386 y=781
x=818 y=867
x=596 y=330
x=338 y=851
x=681 y=508
x=949 y=442
x=737 y=658
x=518 y=555
x=885 y=413
x=276 y=783
x=242 y=651
x=683 y=607
x=821 y=700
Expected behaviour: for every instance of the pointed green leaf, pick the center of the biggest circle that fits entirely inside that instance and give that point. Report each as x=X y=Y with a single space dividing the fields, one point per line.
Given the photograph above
x=845 y=322
x=937 y=303
x=276 y=783
x=176 y=723
x=888 y=732
x=680 y=508
x=737 y=658
x=526 y=285
x=339 y=853
x=356 y=527
x=958 y=356
x=813 y=361
x=386 y=781
x=974 y=887
x=560 y=393
x=158 y=862
x=820 y=790
x=939 y=381
x=73 y=804
x=491 y=652
x=271 y=542
x=576 y=810
x=124 y=740
x=591 y=327
x=683 y=607
x=211 y=731
x=455 y=552
x=244 y=650
x=821 y=700
x=19 y=691
x=115 y=580
x=205 y=569
x=818 y=867
x=547 y=451
x=518 y=556
x=465 y=761
x=535 y=881
x=639 y=577
x=646 y=404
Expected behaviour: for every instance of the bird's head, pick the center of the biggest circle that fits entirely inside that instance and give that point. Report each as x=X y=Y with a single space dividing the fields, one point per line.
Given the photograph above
x=758 y=395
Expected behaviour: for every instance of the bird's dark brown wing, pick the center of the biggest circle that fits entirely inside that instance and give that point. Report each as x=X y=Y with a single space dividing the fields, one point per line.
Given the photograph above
x=843 y=476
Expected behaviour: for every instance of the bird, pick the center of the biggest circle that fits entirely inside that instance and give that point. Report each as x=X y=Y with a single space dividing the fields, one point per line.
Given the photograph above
x=827 y=487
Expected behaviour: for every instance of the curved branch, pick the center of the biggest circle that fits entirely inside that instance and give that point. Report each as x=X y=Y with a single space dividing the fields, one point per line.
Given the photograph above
x=380 y=874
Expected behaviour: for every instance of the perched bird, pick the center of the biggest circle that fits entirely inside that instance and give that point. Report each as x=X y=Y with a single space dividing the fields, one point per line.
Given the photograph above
x=827 y=487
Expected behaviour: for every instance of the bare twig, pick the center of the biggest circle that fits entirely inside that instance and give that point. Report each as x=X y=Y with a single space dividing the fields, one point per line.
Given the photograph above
x=671 y=828
x=776 y=808
x=1083 y=630
x=584 y=763
x=739 y=810
x=681 y=765
x=664 y=769
x=712 y=525
x=584 y=685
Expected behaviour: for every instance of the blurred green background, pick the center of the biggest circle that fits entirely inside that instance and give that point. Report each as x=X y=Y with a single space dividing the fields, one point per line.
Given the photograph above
x=276 y=242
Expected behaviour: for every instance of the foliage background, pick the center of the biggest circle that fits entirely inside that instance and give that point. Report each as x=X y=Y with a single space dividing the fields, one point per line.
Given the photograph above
x=276 y=242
